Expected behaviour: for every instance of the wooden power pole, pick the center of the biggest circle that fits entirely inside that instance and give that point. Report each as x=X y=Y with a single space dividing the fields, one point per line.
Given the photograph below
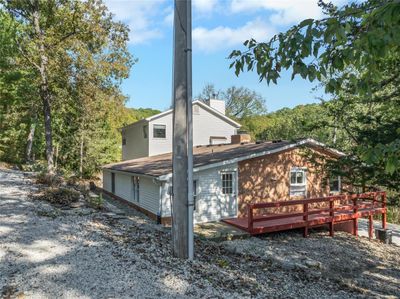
x=182 y=159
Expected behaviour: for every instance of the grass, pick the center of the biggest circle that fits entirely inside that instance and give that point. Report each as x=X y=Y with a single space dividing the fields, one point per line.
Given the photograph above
x=393 y=214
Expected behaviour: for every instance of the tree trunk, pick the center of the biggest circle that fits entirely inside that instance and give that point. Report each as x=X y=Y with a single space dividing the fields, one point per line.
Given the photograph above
x=30 y=138
x=56 y=156
x=81 y=155
x=334 y=135
x=44 y=91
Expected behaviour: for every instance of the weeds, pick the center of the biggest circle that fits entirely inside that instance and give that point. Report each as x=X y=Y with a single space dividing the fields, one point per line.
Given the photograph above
x=59 y=196
x=96 y=202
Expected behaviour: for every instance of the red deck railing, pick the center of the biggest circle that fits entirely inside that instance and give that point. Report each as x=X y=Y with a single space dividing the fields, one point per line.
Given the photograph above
x=336 y=208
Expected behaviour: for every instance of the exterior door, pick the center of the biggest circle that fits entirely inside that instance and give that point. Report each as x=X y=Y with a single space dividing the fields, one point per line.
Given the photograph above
x=228 y=201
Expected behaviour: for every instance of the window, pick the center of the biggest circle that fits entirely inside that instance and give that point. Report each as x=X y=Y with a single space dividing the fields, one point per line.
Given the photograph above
x=144 y=132
x=135 y=188
x=334 y=184
x=298 y=182
x=123 y=140
x=194 y=194
x=113 y=182
x=159 y=131
x=227 y=183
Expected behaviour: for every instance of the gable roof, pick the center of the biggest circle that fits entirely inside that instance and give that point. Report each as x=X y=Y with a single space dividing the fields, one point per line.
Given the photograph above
x=197 y=102
x=205 y=157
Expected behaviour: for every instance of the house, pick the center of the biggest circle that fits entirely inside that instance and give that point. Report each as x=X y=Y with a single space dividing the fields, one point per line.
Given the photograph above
x=153 y=135
x=226 y=177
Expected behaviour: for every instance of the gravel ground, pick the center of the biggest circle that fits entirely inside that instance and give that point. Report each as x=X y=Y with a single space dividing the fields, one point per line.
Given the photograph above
x=46 y=252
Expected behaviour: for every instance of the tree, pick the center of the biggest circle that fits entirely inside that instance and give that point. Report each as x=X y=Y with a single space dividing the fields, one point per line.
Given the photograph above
x=353 y=52
x=66 y=39
x=240 y=102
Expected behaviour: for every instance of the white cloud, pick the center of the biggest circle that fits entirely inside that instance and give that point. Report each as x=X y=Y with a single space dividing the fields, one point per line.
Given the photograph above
x=210 y=40
x=141 y=17
x=204 y=6
x=284 y=11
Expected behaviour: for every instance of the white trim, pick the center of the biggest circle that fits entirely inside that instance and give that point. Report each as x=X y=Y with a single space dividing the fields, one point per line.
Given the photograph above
x=201 y=104
x=302 y=170
x=260 y=154
x=129 y=173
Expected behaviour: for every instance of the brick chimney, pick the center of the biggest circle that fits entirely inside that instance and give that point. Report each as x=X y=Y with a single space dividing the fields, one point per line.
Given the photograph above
x=240 y=138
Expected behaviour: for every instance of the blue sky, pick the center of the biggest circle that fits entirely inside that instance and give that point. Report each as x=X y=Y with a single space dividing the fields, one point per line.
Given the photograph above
x=219 y=26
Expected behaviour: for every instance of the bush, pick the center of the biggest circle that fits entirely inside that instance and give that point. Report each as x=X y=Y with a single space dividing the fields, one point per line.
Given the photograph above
x=96 y=202
x=60 y=196
x=49 y=180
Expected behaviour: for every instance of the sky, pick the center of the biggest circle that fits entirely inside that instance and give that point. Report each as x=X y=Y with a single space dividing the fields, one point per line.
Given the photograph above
x=219 y=26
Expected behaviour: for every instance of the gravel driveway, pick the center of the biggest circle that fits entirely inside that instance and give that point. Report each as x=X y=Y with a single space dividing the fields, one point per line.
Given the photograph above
x=47 y=252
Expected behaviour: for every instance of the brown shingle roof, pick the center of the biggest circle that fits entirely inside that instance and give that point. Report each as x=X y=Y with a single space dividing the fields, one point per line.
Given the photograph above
x=203 y=155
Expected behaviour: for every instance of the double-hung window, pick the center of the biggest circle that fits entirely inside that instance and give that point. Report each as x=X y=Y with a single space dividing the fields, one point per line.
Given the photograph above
x=298 y=181
x=135 y=188
x=335 y=184
x=159 y=131
x=227 y=183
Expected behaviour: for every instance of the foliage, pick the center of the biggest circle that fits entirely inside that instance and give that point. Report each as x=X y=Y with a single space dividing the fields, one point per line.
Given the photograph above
x=141 y=113
x=86 y=58
x=43 y=178
x=59 y=196
x=97 y=202
x=354 y=53
x=241 y=102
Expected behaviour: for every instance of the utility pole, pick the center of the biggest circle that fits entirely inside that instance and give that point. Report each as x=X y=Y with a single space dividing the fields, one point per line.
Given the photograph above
x=182 y=155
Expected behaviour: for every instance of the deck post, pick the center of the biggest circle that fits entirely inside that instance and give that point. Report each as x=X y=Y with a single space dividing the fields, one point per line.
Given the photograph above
x=305 y=218
x=384 y=210
x=355 y=216
x=250 y=217
x=332 y=215
x=370 y=226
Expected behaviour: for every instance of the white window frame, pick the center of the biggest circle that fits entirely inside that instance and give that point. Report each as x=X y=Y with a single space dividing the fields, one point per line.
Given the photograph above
x=165 y=131
x=339 y=179
x=294 y=187
x=232 y=183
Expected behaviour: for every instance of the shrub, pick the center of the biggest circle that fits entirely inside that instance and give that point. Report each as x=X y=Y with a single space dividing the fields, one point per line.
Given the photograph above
x=60 y=196
x=96 y=202
x=49 y=180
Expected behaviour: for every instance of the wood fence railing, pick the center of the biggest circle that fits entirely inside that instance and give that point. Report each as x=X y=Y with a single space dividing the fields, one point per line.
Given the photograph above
x=356 y=205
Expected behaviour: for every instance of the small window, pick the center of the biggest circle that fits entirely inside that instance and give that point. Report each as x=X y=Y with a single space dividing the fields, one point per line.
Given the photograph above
x=145 y=132
x=113 y=182
x=194 y=194
x=334 y=184
x=136 y=188
x=159 y=131
x=227 y=183
x=298 y=182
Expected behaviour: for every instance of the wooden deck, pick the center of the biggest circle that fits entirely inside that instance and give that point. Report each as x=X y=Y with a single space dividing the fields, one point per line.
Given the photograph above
x=335 y=209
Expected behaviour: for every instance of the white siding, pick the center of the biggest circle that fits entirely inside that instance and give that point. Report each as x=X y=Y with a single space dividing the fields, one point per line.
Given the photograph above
x=149 y=192
x=211 y=203
x=149 y=195
x=136 y=145
x=205 y=125
x=161 y=145
x=106 y=180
